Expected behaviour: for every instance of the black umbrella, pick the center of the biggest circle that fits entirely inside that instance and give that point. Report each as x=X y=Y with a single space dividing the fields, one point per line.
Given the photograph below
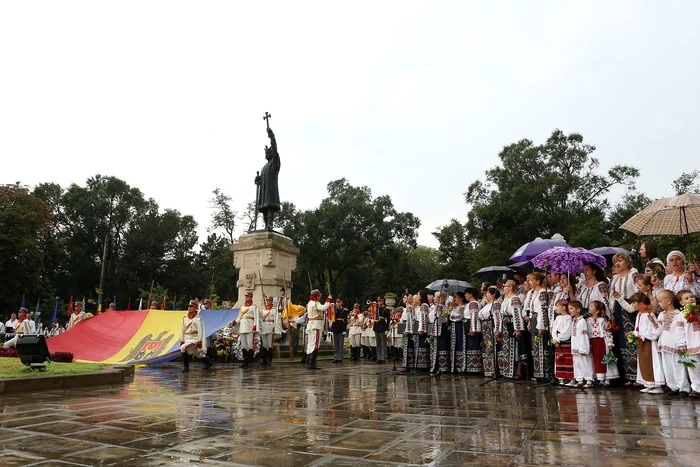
x=450 y=285
x=493 y=273
x=525 y=267
x=608 y=252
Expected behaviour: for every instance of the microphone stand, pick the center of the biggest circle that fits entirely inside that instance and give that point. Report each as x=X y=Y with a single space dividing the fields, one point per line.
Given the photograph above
x=393 y=370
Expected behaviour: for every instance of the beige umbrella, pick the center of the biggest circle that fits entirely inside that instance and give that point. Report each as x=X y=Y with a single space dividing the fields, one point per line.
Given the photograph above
x=667 y=216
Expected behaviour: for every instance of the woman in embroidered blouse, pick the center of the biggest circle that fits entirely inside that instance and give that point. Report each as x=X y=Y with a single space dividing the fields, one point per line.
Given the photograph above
x=680 y=279
x=422 y=309
x=513 y=352
x=622 y=287
x=594 y=287
x=409 y=349
x=458 y=336
x=538 y=312
x=475 y=362
x=488 y=314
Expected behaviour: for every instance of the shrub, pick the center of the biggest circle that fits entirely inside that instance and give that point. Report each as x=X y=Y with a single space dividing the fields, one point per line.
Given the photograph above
x=10 y=353
x=65 y=357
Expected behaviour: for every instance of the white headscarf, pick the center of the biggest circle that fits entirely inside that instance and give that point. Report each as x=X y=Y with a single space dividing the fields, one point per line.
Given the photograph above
x=675 y=253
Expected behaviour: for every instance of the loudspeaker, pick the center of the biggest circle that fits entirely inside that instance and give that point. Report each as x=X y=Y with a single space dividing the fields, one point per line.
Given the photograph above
x=32 y=349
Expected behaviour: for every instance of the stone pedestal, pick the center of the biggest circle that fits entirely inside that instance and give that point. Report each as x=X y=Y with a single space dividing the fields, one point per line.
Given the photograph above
x=265 y=261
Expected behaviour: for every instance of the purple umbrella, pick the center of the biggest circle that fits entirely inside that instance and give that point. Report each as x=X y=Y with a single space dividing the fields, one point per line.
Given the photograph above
x=535 y=247
x=567 y=260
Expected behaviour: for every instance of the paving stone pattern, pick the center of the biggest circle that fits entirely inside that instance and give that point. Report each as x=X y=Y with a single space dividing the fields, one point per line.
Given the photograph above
x=343 y=415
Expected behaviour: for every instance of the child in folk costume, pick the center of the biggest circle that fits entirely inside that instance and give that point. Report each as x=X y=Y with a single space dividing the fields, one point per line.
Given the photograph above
x=268 y=319
x=692 y=332
x=355 y=332
x=474 y=358
x=672 y=343
x=601 y=343
x=192 y=338
x=580 y=348
x=561 y=336
x=647 y=329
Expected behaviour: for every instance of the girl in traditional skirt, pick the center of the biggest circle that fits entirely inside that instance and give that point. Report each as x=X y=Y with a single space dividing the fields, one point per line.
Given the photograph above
x=561 y=336
x=440 y=348
x=475 y=363
x=650 y=371
x=601 y=343
x=510 y=326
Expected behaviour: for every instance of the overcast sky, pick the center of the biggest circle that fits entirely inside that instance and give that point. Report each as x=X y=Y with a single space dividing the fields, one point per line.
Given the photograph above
x=414 y=100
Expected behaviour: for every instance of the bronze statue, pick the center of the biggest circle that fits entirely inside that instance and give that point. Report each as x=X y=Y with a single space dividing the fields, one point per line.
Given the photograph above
x=268 y=194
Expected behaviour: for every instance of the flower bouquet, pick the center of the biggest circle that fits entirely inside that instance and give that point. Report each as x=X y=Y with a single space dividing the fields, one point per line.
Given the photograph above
x=609 y=359
x=489 y=344
x=691 y=313
x=429 y=340
x=537 y=339
x=687 y=361
x=660 y=272
x=633 y=339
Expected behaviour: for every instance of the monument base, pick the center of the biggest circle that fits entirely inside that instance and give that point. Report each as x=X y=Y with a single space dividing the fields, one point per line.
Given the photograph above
x=265 y=260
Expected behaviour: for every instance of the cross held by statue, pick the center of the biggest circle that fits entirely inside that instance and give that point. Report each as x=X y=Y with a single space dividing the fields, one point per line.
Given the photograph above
x=267 y=118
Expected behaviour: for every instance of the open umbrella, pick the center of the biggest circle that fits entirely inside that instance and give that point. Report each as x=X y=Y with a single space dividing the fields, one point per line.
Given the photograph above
x=567 y=260
x=608 y=252
x=525 y=267
x=493 y=273
x=667 y=216
x=535 y=247
x=451 y=285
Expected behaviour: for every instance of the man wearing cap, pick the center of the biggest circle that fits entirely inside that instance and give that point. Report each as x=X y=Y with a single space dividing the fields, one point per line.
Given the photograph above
x=317 y=317
x=192 y=342
x=22 y=328
x=77 y=316
x=290 y=315
x=381 y=326
x=154 y=305
x=268 y=318
x=338 y=328
x=208 y=304
x=248 y=319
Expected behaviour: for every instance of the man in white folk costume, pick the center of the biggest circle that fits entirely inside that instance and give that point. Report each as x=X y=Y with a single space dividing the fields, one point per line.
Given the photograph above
x=248 y=320
x=22 y=327
x=268 y=324
x=317 y=316
x=77 y=316
x=192 y=338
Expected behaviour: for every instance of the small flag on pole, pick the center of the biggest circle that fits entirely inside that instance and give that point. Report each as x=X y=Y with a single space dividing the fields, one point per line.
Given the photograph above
x=70 y=305
x=128 y=305
x=162 y=304
x=55 y=311
x=23 y=304
x=99 y=305
x=174 y=302
x=36 y=312
x=141 y=303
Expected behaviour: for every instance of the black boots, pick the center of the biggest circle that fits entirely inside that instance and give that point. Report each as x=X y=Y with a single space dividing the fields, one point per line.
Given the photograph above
x=354 y=354
x=186 y=361
x=312 y=361
x=269 y=356
x=247 y=358
x=263 y=356
x=207 y=362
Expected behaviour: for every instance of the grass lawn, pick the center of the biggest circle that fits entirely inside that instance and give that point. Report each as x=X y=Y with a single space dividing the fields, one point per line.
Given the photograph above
x=13 y=368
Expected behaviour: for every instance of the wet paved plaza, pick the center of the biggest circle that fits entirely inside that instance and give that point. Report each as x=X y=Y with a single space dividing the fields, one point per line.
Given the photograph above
x=343 y=415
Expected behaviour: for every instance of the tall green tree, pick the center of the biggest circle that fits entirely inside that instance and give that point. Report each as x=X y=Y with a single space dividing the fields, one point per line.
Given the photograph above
x=24 y=219
x=540 y=190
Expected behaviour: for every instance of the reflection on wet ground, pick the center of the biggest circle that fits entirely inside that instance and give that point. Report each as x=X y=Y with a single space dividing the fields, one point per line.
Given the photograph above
x=345 y=415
